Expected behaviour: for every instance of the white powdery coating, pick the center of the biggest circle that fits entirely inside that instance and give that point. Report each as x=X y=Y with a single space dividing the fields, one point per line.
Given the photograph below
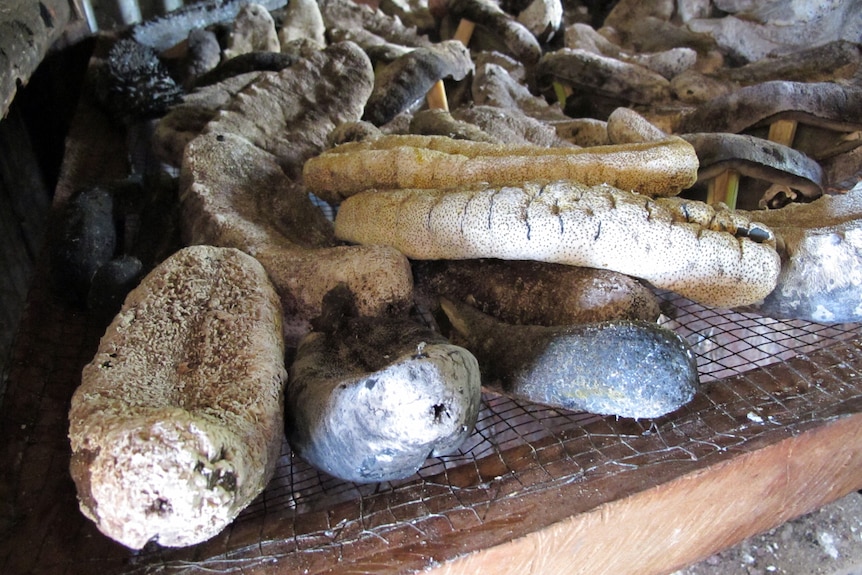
x=177 y=423
x=565 y=222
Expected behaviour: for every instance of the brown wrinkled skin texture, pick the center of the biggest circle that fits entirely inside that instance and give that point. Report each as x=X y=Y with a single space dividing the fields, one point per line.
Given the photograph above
x=758 y=158
x=538 y=293
x=825 y=104
x=239 y=187
x=291 y=113
x=409 y=78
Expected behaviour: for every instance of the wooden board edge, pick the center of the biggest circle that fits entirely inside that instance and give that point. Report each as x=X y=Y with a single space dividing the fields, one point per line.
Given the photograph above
x=678 y=523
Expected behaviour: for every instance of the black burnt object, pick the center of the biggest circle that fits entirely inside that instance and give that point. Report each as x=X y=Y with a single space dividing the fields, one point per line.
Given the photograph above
x=110 y=285
x=133 y=83
x=108 y=236
x=86 y=240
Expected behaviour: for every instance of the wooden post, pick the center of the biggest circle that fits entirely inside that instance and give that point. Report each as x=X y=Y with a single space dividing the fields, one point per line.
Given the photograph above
x=782 y=132
x=436 y=97
x=464 y=31
x=724 y=188
x=562 y=91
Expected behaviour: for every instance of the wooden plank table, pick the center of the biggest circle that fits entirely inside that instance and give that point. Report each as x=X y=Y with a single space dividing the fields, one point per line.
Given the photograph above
x=534 y=490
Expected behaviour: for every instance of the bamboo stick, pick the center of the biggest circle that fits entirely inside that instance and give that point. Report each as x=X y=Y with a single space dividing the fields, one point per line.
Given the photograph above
x=724 y=188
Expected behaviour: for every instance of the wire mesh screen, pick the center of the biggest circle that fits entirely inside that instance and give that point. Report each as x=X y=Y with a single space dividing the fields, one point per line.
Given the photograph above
x=729 y=343
x=518 y=452
x=726 y=344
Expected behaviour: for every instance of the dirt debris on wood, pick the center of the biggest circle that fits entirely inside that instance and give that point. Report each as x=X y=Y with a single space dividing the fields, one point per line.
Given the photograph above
x=825 y=542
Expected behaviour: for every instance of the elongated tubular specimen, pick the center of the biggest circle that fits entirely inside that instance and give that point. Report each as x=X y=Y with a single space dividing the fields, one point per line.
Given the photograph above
x=372 y=400
x=825 y=104
x=518 y=39
x=708 y=255
x=538 y=293
x=655 y=168
x=177 y=424
x=411 y=76
x=234 y=194
x=758 y=158
x=625 y=368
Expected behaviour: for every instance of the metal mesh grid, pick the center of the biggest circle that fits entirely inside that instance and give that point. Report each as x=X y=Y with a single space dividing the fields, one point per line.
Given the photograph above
x=519 y=452
x=337 y=519
x=728 y=343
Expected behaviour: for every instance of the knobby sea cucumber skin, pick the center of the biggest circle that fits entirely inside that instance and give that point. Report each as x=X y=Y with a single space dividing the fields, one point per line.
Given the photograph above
x=680 y=245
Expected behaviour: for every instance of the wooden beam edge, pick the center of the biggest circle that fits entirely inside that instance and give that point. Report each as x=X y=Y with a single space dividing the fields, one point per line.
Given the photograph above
x=685 y=520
